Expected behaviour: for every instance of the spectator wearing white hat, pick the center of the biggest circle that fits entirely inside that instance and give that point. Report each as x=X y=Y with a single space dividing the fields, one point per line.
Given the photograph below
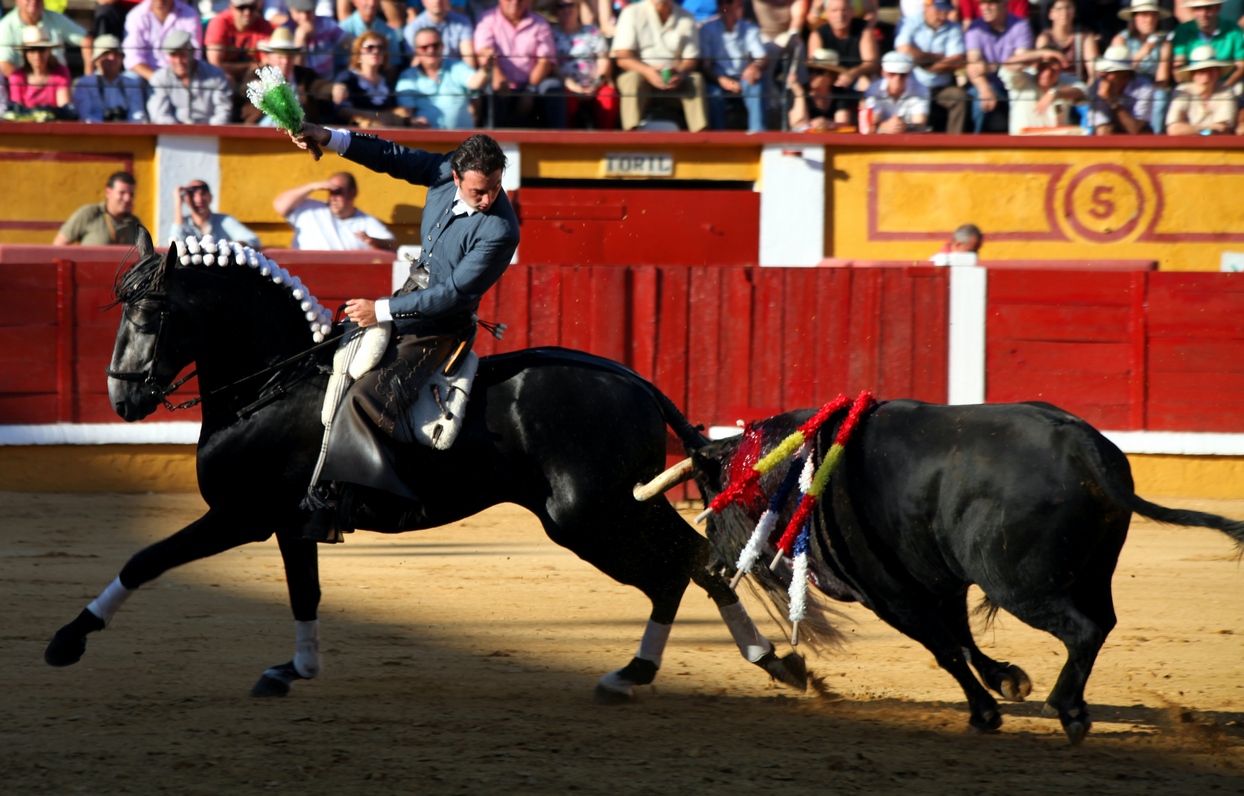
x=899 y=104
x=58 y=28
x=108 y=94
x=1208 y=28
x=188 y=91
x=1149 y=53
x=41 y=84
x=1121 y=101
x=1200 y=106
x=315 y=94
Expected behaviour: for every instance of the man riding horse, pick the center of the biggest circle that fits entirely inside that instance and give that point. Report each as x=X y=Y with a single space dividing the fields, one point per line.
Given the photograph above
x=468 y=237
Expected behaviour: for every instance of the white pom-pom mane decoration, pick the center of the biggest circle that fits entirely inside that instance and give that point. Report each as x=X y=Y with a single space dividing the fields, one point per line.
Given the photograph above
x=205 y=251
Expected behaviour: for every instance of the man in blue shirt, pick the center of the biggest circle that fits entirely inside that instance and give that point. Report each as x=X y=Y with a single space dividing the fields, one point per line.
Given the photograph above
x=438 y=91
x=936 y=45
x=734 y=64
x=457 y=32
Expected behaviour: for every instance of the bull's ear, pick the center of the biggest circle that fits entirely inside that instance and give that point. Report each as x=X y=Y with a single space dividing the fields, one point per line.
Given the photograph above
x=145 y=246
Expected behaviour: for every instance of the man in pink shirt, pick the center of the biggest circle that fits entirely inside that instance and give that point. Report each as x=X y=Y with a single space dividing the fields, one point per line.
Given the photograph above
x=519 y=47
x=145 y=28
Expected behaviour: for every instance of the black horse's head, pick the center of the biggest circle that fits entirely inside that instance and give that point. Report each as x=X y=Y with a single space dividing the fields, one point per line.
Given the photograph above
x=149 y=353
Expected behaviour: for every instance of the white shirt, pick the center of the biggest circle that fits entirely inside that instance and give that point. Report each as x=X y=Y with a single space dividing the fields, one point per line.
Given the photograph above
x=315 y=227
x=913 y=102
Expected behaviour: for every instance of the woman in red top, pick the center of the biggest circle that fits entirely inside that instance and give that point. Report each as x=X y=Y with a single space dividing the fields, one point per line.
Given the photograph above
x=41 y=82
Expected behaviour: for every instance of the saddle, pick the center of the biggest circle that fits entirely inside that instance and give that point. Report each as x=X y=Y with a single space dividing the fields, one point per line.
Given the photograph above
x=436 y=416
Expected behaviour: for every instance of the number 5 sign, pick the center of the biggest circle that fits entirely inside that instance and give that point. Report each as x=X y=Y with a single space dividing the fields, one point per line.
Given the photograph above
x=1104 y=203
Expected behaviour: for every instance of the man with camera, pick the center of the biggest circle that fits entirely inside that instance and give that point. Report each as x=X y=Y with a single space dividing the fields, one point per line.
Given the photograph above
x=202 y=221
x=108 y=95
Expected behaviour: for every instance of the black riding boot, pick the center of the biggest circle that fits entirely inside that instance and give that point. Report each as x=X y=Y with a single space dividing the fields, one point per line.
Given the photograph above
x=330 y=516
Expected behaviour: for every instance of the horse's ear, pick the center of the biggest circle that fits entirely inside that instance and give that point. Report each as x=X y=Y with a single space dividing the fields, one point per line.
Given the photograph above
x=145 y=246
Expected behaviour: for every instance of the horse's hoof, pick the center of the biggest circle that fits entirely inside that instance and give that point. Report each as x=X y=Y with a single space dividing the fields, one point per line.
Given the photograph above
x=608 y=696
x=1015 y=684
x=69 y=644
x=270 y=687
x=1077 y=727
x=276 y=681
x=988 y=722
x=1048 y=711
x=790 y=670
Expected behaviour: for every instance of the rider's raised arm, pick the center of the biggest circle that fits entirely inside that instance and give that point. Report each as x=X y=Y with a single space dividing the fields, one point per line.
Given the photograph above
x=413 y=165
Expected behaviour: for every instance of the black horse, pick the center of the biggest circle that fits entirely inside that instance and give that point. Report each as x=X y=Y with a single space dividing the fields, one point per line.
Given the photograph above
x=564 y=434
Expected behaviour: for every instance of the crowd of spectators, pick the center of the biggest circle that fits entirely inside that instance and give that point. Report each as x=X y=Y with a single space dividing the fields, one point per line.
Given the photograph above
x=1094 y=67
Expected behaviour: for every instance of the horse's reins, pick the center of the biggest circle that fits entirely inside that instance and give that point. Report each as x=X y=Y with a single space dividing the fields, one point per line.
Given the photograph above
x=147 y=378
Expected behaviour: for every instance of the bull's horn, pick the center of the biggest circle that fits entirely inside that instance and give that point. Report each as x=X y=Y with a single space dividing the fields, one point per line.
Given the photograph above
x=683 y=471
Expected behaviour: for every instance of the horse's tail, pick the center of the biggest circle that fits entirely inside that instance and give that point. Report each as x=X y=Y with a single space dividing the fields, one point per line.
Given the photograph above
x=692 y=438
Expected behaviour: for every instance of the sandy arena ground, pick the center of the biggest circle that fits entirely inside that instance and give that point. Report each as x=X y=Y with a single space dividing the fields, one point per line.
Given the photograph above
x=463 y=661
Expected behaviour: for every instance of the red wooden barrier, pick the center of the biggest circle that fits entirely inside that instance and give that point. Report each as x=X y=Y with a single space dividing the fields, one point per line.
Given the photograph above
x=57 y=333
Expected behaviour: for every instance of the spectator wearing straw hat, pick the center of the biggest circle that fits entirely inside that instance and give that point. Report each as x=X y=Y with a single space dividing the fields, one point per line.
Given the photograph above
x=1149 y=53
x=147 y=26
x=188 y=91
x=41 y=84
x=936 y=45
x=57 y=27
x=1207 y=28
x=899 y=104
x=1120 y=101
x=108 y=94
x=817 y=106
x=1200 y=105
x=315 y=94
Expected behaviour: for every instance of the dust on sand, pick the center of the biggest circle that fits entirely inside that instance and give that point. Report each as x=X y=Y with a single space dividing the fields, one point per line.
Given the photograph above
x=463 y=660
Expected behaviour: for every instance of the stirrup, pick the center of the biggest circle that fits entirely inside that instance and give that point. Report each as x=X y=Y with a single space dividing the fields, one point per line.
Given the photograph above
x=323 y=526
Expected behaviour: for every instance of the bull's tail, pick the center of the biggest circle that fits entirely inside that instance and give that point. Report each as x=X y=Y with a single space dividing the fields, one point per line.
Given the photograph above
x=1108 y=479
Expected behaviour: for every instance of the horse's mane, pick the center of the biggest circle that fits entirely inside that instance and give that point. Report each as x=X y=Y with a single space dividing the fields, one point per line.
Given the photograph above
x=145 y=276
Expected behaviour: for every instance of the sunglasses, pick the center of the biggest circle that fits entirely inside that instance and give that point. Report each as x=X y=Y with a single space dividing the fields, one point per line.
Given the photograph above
x=244 y=8
x=428 y=48
x=371 y=48
x=197 y=189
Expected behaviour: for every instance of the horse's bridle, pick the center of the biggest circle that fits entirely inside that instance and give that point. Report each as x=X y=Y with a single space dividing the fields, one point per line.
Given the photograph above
x=147 y=378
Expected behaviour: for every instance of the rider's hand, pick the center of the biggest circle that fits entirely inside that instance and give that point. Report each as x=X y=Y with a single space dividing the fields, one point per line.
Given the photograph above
x=312 y=138
x=362 y=312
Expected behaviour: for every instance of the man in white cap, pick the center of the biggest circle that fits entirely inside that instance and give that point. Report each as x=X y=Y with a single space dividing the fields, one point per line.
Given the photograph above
x=1208 y=28
x=188 y=91
x=60 y=29
x=899 y=104
x=108 y=95
x=1120 y=101
x=1201 y=106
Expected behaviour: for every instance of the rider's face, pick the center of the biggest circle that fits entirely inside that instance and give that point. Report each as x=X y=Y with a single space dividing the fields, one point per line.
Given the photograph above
x=477 y=189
